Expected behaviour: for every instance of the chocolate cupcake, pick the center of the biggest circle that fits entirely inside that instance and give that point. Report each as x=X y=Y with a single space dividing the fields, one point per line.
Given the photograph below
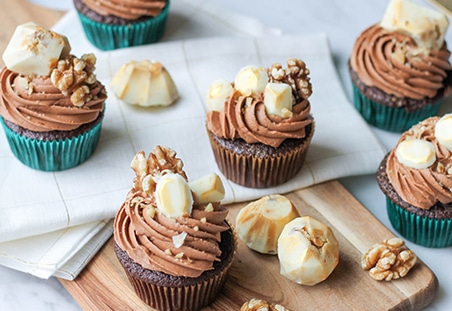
x=171 y=236
x=112 y=25
x=400 y=68
x=51 y=103
x=260 y=127
x=416 y=180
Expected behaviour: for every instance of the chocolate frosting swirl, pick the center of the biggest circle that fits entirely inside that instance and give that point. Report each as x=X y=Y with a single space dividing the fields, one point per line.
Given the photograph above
x=423 y=188
x=45 y=108
x=146 y=235
x=245 y=117
x=127 y=9
x=393 y=63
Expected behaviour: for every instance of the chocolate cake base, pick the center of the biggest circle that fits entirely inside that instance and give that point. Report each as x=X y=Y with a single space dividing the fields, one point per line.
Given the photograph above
x=259 y=165
x=172 y=293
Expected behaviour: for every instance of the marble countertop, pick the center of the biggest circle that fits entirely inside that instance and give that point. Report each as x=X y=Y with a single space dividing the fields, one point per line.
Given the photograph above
x=342 y=21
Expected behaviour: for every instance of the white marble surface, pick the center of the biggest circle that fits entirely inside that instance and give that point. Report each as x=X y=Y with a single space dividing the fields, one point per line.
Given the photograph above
x=342 y=21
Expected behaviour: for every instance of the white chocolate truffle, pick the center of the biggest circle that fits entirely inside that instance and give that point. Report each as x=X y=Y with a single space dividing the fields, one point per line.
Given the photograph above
x=308 y=251
x=173 y=196
x=278 y=99
x=207 y=189
x=416 y=153
x=251 y=80
x=426 y=26
x=145 y=83
x=260 y=223
x=219 y=90
x=35 y=50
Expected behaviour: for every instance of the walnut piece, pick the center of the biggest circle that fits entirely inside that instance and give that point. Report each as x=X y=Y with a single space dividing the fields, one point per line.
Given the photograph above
x=72 y=76
x=388 y=260
x=261 y=305
x=149 y=170
x=296 y=75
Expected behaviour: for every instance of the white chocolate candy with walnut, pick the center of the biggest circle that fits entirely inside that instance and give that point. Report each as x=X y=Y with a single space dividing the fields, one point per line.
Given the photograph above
x=145 y=83
x=207 y=189
x=260 y=223
x=426 y=26
x=173 y=196
x=278 y=99
x=308 y=251
x=35 y=50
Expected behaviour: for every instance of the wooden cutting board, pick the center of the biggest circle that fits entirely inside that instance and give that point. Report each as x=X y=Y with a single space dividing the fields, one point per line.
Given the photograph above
x=102 y=285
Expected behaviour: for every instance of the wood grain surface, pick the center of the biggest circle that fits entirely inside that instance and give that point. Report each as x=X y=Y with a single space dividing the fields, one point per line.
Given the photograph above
x=102 y=285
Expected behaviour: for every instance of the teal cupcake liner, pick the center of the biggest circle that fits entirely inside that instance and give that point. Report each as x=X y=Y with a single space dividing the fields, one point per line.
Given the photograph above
x=392 y=119
x=53 y=155
x=428 y=232
x=110 y=37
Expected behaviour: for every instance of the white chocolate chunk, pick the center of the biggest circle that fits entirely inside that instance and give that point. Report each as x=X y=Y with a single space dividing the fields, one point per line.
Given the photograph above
x=308 y=251
x=416 y=153
x=144 y=83
x=207 y=189
x=35 y=50
x=178 y=240
x=219 y=90
x=260 y=223
x=173 y=196
x=426 y=26
x=443 y=131
x=278 y=99
x=251 y=80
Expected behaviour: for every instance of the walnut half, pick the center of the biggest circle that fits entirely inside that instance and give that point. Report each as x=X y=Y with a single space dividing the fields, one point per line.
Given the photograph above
x=261 y=305
x=388 y=260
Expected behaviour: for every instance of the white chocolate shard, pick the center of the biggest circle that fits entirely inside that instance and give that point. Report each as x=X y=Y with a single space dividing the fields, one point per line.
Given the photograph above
x=251 y=80
x=207 y=189
x=426 y=26
x=443 y=131
x=278 y=99
x=260 y=223
x=416 y=153
x=35 y=50
x=219 y=90
x=308 y=251
x=173 y=196
x=144 y=83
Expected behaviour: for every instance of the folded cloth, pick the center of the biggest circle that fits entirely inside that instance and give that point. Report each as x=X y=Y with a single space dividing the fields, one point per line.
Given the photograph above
x=53 y=223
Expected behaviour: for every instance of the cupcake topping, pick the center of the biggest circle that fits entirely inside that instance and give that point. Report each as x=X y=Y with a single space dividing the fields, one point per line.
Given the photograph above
x=167 y=224
x=420 y=166
x=44 y=88
x=264 y=106
x=144 y=83
x=443 y=131
x=34 y=50
x=416 y=153
x=405 y=55
x=426 y=26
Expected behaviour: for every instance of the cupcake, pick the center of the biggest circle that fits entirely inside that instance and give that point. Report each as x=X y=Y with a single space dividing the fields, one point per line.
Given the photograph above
x=112 y=25
x=260 y=126
x=400 y=68
x=171 y=236
x=51 y=104
x=416 y=178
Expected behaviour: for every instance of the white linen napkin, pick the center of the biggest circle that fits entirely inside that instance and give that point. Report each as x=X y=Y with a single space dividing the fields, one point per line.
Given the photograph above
x=53 y=223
